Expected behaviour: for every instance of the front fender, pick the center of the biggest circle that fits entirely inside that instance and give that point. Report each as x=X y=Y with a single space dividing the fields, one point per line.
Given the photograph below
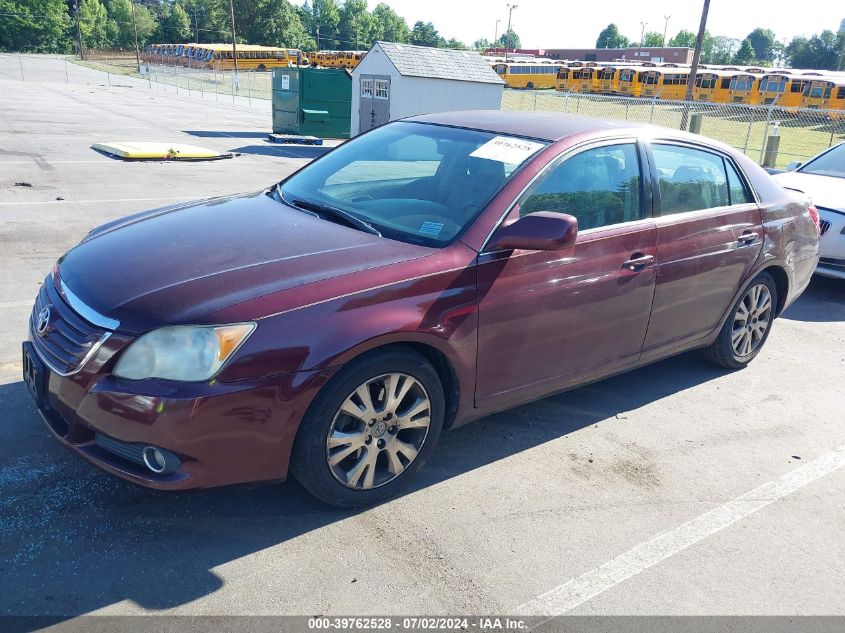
x=438 y=310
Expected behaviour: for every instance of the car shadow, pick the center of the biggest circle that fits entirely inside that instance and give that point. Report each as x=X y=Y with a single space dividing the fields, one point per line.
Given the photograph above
x=74 y=539
x=281 y=150
x=822 y=302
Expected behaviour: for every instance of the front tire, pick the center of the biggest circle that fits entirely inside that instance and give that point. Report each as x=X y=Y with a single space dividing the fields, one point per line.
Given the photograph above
x=748 y=325
x=369 y=429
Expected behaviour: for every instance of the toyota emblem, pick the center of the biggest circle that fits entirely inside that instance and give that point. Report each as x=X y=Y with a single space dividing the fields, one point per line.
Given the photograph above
x=43 y=322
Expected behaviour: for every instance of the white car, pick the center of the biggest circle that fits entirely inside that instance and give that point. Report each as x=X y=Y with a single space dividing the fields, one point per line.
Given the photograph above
x=823 y=179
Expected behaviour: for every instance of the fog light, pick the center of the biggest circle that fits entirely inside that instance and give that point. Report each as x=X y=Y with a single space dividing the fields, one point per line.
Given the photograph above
x=160 y=461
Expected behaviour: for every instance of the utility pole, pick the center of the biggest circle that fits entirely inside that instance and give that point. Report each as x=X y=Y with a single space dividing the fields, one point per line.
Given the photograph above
x=234 y=43
x=642 y=40
x=696 y=56
x=665 y=29
x=318 y=37
x=135 y=34
x=496 y=33
x=509 y=39
x=78 y=29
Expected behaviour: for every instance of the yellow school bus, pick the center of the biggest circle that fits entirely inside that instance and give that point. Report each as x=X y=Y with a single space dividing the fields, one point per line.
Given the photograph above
x=338 y=59
x=608 y=80
x=219 y=56
x=738 y=87
x=627 y=82
x=771 y=88
x=705 y=86
x=663 y=83
x=584 y=79
x=822 y=93
x=530 y=75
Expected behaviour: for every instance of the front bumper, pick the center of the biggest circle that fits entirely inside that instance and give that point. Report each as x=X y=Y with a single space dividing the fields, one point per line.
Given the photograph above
x=222 y=433
x=832 y=244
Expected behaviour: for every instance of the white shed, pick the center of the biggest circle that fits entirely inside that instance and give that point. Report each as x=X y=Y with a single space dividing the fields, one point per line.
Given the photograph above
x=399 y=80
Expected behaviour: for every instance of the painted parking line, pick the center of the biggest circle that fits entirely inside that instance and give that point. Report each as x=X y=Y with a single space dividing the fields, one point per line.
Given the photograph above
x=579 y=590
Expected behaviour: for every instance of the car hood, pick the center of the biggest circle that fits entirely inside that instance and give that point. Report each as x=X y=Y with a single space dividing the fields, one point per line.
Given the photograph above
x=180 y=264
x=825 y=191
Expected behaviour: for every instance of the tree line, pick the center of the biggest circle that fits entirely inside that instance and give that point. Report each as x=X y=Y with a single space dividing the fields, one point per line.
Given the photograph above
x=50 y=26
x=823 y=51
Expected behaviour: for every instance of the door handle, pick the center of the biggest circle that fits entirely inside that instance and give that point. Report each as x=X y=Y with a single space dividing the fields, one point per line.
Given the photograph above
x=748 y=237
x=638 y=261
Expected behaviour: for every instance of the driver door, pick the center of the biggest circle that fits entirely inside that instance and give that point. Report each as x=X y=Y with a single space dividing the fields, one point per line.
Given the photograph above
x=550 y=318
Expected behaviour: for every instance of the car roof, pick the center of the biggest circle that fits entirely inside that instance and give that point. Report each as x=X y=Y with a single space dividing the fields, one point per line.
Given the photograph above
x=549 y=126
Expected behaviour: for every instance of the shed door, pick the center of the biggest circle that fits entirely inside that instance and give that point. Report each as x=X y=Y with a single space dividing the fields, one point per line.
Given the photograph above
x=374 y=108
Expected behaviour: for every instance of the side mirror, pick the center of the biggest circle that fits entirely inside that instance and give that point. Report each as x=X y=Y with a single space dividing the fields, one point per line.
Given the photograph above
x=793 y=165
x=540 y=231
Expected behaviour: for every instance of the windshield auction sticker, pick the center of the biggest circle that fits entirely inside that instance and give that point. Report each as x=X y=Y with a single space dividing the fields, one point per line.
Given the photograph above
x=507 y=149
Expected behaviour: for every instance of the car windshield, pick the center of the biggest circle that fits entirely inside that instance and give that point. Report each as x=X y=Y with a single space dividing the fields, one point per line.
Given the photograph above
x=831 y=163
x=414 y=182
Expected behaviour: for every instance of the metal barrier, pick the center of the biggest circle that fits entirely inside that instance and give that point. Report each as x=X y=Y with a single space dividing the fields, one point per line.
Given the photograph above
x=802 y=133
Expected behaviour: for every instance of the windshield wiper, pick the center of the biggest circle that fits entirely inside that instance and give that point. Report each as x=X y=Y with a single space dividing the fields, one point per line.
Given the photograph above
x=338 y=214
x=319 y=210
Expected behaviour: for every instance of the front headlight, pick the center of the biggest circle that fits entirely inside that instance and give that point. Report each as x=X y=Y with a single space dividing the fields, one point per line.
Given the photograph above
x=182 y=352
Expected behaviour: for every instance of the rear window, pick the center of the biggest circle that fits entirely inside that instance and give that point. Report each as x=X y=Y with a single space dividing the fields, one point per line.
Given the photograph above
x=690 y=179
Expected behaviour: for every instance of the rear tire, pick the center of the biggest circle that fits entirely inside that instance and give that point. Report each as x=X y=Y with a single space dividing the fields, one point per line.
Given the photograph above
x=748 y=325
x=358 y=444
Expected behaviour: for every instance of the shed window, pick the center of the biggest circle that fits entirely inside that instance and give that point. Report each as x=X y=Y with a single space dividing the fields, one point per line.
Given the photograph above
x=366 y=87
x=381 y=89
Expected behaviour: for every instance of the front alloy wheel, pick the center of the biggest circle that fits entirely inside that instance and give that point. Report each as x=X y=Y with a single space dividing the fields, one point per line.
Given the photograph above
x=370 y=428
x=378 y=431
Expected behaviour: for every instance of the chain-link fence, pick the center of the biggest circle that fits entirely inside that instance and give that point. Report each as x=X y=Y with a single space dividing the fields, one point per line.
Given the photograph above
x=802 y=133
x=250 y=88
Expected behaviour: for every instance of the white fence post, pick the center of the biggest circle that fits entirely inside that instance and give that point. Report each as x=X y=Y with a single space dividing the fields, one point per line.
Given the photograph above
x=766 y=132
x=67 y=76
x=20 y=61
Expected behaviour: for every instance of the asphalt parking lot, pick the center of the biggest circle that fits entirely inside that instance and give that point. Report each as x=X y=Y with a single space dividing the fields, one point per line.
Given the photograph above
x=677 y=489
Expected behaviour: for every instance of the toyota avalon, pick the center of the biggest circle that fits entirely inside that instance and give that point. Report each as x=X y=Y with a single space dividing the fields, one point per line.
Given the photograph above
x=427 y=273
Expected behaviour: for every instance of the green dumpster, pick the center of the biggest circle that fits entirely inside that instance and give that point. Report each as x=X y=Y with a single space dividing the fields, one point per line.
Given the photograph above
x=312 y=101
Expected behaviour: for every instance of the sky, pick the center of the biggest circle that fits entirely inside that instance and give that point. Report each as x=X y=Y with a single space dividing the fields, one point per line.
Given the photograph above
x=557 y=24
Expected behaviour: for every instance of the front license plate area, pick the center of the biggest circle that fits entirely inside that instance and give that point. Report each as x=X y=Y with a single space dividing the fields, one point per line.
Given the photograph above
x=34 y=374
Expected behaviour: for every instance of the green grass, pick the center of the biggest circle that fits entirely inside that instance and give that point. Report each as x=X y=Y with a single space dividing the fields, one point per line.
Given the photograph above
x=802 y=134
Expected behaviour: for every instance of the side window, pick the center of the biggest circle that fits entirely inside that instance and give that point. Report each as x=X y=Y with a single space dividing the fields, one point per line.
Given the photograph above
x=739 y=194
x=690 y=179
x=599 y=186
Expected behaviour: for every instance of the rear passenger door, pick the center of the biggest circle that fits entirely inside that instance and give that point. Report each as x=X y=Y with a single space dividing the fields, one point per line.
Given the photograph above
x=708 y=238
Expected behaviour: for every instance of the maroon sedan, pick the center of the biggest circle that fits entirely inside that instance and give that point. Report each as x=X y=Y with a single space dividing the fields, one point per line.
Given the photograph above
x=427 y=273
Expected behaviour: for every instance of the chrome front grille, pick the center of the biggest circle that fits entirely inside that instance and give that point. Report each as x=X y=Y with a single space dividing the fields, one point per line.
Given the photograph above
x=67 y=341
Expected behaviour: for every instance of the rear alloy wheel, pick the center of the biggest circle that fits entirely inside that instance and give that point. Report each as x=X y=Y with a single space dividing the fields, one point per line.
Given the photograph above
x=369 y=429
x=748 y=326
